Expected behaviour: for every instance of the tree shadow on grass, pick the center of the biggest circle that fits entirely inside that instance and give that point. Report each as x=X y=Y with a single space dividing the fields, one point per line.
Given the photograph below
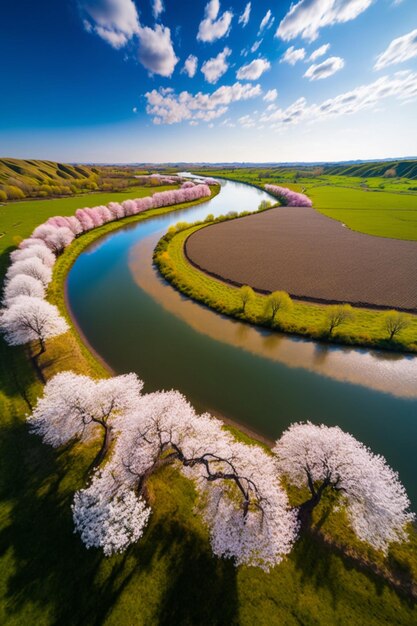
x=54 y=576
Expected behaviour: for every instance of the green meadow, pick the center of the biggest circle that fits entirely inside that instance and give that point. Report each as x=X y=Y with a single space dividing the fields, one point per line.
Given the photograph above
x=386 y=207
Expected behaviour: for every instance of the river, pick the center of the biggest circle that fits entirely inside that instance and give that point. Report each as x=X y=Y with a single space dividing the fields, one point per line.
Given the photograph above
x=261 y=380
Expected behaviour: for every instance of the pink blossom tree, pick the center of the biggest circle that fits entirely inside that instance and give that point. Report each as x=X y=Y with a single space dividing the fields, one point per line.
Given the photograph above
x=85 y=219
x=116 y=210
x=322 y=458
x=56 y=238
x=78 y=407
x=288 y=197
x=31 y=319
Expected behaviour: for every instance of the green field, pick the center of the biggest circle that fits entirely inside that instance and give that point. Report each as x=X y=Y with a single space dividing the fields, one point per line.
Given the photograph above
x=18 y=219
x=386 y=207
x=170 y=577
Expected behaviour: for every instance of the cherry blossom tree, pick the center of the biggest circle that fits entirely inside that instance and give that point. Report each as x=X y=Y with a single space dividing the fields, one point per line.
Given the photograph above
x=40 y=251
x=105 y=213
x=56 y=238
x=31 y=241
x=85 y=219
x=242 y=502
x=188 y=184
x=31 y=319
x=130 y=207
x=70 y=222
x=77 y=407
x=288 y=197
x=322 y=458
x=116 y=210
x=22 y=285
x=108 y=515
x=95 y=215
x=31 y=267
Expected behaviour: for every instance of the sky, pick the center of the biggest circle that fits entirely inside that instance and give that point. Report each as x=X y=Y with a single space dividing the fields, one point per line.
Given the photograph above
x=120 y=81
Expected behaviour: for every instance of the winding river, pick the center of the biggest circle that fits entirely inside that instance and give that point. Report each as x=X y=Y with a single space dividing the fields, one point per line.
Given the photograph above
x=260 y=380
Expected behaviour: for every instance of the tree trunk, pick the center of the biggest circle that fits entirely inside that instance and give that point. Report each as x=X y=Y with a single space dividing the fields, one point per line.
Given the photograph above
x=107 y=439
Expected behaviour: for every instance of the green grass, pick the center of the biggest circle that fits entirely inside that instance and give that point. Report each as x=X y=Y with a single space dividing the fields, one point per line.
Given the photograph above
x=366 y=328
x=170 y=577
x=18 y=219
x=361 y=204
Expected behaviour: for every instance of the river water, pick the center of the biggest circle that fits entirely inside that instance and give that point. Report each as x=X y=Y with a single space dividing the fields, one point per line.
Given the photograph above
x=261 y=380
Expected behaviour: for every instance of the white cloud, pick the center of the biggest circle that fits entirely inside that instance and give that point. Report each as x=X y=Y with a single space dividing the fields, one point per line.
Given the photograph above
x=292 y=55
x=325 y=69
x=256 y=45
x=135 y=109
x=246 y=121
x=306 y=17
x=190 y=66
x=115 y=21
x=270 y=95
x=319 y=52
x=267 y=21
x=157 y=8
x=213 y=27
x=399 y=50
x=167 y=107
x=156 y=51
x=214 y=68
x=402 y=86
x=244 y=18
x=253 y=70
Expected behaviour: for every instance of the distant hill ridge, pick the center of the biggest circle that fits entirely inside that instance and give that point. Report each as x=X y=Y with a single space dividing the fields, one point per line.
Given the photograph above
x=34 y=172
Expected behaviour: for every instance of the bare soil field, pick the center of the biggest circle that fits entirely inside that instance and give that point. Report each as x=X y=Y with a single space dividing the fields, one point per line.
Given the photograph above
x=310 y=256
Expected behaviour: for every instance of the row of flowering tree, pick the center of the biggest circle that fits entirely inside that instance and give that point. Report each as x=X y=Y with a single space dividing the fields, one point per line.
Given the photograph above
x=288 y=197
x=26 y=315
x=240 y=487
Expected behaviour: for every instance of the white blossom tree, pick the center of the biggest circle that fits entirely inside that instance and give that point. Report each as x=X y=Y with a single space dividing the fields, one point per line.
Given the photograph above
x=77 y=407
x=31 y=319
x=22 y=285
x=108 y=515
x=31 y=267
x=242 y=502
x=40 y=251
x=326 y=458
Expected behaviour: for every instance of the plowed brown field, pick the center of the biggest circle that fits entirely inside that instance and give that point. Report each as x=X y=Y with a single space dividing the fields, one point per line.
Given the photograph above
x=310 y=256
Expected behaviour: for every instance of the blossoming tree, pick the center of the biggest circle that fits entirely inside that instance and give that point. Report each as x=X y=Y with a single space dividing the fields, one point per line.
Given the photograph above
x=29 y=319
x=325 y=458
x=78 y=407
x=242 y=502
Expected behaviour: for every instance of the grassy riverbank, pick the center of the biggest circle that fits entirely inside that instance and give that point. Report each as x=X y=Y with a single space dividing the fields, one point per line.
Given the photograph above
x=365 y=328
x=170 y=577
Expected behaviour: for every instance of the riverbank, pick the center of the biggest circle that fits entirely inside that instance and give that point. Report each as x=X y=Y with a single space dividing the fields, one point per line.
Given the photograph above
x=365 y=328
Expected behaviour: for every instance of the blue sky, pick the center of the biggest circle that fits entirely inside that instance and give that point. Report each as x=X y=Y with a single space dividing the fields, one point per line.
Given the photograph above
x=182 y=80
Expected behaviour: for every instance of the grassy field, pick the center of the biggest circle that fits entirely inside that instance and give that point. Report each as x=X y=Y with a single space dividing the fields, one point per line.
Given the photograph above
x=170 y=577
x=365 y=328
x=18 y=219
x=386 y=207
